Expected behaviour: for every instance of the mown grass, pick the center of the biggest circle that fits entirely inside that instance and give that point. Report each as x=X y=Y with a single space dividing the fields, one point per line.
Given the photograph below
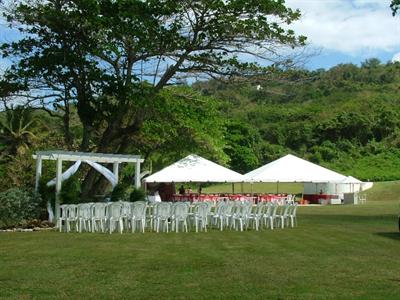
x=336 y=252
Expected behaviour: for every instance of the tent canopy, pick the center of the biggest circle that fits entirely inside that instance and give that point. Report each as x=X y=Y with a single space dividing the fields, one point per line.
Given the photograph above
x=351 y=179
x=194 y=168
x=293 y=169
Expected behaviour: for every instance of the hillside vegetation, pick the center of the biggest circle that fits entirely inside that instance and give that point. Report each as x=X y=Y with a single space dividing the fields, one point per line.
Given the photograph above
x=346 y=118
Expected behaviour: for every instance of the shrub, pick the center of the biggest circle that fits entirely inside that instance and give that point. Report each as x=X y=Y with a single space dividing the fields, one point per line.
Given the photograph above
x=137 y=195
x=18 y=205
x=46 y=192
x=120 y=192
x=71 y=190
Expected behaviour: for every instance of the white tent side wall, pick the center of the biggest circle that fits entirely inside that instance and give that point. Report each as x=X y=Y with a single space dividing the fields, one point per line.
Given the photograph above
x=331 y=188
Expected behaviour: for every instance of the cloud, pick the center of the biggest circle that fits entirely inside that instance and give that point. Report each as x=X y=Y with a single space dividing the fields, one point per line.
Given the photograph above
x=396 y=57
x=354 y=27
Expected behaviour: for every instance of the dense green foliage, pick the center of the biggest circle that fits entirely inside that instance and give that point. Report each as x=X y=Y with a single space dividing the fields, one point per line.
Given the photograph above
x=15 y=133
x=71 y=190
x=107 y=81
x=137 y=195
x=120 y=192
x=111 y=60
x=346 y=118
x=18 y=205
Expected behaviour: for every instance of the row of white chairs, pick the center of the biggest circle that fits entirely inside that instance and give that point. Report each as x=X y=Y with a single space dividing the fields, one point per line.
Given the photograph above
x=166 y=216
x=265 y=214
x=102 y=216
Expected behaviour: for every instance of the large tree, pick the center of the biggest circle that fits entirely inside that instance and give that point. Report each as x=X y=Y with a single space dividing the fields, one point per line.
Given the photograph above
x=113 y=57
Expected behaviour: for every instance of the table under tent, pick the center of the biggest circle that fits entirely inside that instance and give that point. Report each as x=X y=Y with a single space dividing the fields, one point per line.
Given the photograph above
x=321 y=185
x=350 y=190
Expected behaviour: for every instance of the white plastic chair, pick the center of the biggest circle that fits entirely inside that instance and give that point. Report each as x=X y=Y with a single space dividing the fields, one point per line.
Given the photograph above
x=163 y=214
x=84 y=216
x=63 y=217
x=220 y=214
x=229 y=211
x=99 y=216
x=138 y=215
x=192 y=210
x=72 y=217
x=362 y=198
x=126 y=212
x=270 y=215
x=151 y=215
x=292 y=215
x=200 y=216
x=256 y=216
x=114 y=217
x=241 y=215
x=282 y=217
x=180 y=215
x=290 y=199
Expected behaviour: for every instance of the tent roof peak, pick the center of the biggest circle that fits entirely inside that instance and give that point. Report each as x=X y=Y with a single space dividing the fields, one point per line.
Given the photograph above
x=194 y=168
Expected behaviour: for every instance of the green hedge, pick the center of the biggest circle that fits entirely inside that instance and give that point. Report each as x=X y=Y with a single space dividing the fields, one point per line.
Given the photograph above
x=18 y=205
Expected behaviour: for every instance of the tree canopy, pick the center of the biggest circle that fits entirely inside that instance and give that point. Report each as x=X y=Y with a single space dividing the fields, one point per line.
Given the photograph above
x=112 y=58
x=395 y=6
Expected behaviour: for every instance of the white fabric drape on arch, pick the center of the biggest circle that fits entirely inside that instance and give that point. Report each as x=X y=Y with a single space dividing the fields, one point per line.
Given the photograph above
x=99 y=168
x=67 y=174
x=72 y=170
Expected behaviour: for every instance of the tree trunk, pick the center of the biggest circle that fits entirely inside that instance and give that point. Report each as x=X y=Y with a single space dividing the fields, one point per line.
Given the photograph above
x=95 y=183
x=67 y=130
x=106 y=145
x=114 y=140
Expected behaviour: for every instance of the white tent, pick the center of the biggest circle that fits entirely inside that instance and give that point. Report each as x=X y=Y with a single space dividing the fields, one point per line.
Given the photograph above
x=351 y=180
x=348 y=185
x=293 y=169
x=194 y=168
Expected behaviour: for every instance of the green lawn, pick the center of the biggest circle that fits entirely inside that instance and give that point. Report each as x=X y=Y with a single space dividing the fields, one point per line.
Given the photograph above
x=336 y=252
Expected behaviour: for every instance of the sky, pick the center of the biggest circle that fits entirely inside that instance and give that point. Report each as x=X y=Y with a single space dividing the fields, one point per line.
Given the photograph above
x=338 y=31
x=347 y=31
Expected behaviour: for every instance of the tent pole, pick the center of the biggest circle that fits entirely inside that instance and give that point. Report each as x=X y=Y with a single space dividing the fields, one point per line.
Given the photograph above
x=277 y=187
x=233 y=187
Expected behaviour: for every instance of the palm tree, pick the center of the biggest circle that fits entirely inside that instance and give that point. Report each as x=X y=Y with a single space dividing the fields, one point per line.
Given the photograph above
x=16 y=131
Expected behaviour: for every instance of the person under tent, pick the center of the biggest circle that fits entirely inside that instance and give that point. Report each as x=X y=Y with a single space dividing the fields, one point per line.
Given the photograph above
x=181 y=190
